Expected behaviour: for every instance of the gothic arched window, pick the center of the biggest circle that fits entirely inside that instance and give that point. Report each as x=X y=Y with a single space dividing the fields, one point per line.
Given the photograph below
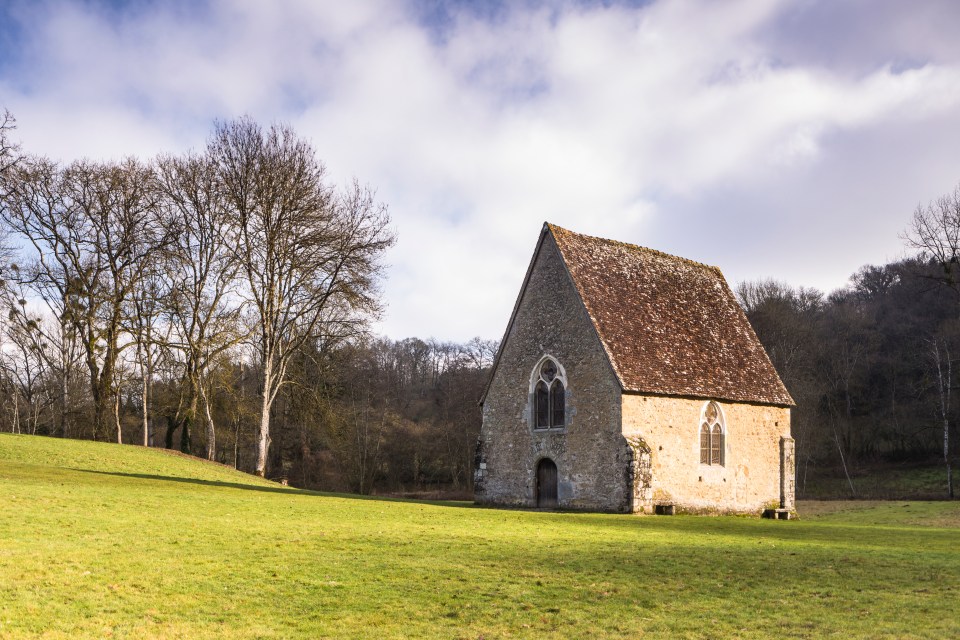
x=704 y=444
x=711 y=435
x=549 y=396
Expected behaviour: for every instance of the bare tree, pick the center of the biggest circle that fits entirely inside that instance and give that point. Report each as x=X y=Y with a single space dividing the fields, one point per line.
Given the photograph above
x=481 y=352
x=943 y=368
x=53 y=340
x=309 y=254
x=149 y=337
x=9 y=157
x=202 y=301
x=92 y=230
x=934 y=231
x=9 y=150
x=23 y=361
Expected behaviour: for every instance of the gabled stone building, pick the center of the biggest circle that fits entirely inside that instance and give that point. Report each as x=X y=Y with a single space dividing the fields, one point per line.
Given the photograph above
x=631 y=380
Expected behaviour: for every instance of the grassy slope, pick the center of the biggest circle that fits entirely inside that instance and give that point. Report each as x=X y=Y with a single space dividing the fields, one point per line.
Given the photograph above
x=99 y=540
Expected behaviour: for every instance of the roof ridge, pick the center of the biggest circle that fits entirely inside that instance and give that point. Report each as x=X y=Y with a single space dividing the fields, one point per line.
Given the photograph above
x=628 y=245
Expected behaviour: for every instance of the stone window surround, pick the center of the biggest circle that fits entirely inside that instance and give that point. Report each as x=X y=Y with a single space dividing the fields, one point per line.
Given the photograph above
x=531 y=413
x=721 y=420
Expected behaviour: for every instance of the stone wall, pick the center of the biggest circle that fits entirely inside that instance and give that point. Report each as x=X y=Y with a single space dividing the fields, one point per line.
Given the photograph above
x=593 y=459
x=788 y=476
x=747 y=482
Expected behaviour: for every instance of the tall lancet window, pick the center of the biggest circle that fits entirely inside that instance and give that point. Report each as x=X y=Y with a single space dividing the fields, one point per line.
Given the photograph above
x=549 y=396
x=711 y=435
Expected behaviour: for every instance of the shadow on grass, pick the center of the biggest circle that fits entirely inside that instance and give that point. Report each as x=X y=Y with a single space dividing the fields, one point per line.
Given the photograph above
x=750 y=527
x=278 y=489
x=197 y=481
x=863 y=535
x=746 y=528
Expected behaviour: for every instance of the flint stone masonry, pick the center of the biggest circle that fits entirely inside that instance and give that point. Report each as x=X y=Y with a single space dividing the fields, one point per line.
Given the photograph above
x=590 y=452
x=621 y=449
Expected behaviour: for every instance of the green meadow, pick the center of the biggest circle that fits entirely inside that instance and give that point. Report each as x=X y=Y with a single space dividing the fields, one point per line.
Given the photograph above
x=108 y=541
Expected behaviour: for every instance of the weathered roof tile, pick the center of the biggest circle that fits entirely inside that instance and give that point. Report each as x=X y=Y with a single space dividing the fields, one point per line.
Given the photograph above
x=669 y=325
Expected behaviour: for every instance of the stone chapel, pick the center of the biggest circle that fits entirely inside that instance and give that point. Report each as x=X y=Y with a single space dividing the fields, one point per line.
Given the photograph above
x=630 y=380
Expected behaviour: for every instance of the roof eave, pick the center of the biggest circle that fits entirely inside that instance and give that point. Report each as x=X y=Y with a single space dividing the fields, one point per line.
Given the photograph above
x=722 y=398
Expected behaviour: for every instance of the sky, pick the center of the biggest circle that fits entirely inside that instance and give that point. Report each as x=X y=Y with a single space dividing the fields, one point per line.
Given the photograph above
x=774 y=139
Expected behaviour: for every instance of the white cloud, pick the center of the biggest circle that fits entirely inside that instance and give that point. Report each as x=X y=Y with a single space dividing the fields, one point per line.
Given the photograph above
x=713 y=130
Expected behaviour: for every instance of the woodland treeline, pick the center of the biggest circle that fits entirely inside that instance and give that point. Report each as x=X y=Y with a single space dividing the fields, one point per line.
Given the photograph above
x=868 y=366
x=872 y=366
x=218 y=303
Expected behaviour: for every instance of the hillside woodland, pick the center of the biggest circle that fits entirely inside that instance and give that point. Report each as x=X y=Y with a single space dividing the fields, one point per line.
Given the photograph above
x=872 y=366
x=219 y=303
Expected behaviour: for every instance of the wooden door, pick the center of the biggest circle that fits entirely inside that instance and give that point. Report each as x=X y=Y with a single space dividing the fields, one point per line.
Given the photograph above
x=546 y=484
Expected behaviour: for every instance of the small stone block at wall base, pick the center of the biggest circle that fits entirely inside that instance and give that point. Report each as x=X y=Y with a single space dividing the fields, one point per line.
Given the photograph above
x=777 y=514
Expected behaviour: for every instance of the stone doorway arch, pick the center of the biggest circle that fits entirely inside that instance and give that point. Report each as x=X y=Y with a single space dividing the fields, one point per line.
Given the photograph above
x=546 y=484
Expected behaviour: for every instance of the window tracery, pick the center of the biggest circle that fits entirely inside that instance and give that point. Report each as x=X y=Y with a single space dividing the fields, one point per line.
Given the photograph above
x=712 y=435
x=550 y=397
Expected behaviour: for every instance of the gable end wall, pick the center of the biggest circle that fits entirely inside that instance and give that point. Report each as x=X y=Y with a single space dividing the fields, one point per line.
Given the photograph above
x=590 y=453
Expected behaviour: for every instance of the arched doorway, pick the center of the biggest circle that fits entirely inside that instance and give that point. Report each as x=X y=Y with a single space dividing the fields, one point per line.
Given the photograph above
x=546 y=484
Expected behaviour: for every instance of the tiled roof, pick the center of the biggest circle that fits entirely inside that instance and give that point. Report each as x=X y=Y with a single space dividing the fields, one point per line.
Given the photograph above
x=669 y=325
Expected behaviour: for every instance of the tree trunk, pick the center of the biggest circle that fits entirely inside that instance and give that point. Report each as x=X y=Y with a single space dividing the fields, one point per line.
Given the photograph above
x=97 y=412
x=64 y=399
x=236 y=441
x=943 y=386
x=171 y=429
x=263 y=433
x=190 y=414
x=211 y=430
x=101 y=380
x=946 y=458
x=116 y=416
x=186 y=444
x=843 y=461
x=146 y=408
x=35 y=417
x=16 y=411
x=146 y=373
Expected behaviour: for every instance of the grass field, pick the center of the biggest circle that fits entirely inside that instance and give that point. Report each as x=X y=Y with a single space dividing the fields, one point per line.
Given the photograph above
x=110 y=541
x=879 y=481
